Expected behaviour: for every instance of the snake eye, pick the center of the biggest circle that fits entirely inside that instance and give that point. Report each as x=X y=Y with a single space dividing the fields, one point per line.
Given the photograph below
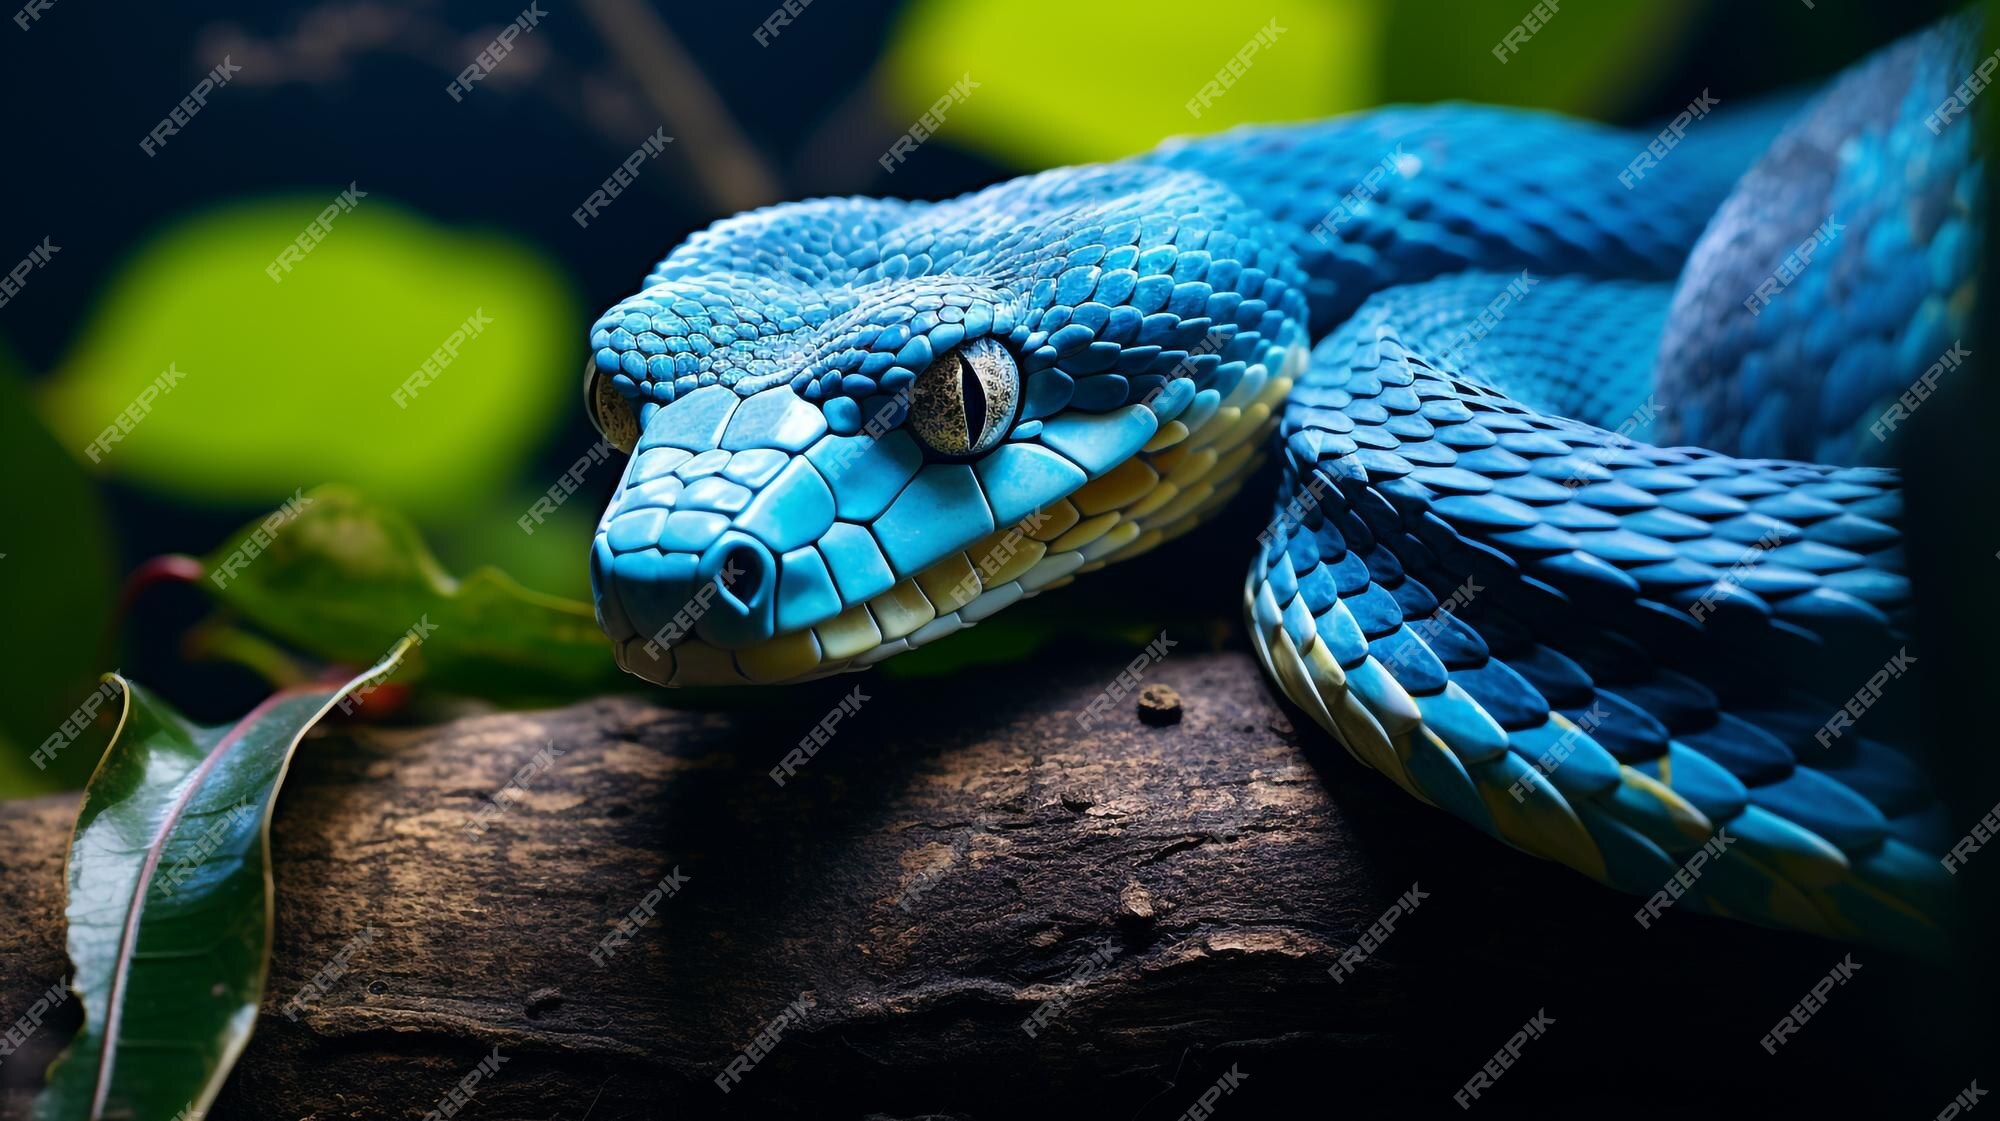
x=963 y=403
x=609 y=410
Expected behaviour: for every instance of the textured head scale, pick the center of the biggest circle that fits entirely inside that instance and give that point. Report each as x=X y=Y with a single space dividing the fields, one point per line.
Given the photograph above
x=863 y=424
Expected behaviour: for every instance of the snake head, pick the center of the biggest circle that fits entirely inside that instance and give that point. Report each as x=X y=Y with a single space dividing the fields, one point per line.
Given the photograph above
x=859 y=425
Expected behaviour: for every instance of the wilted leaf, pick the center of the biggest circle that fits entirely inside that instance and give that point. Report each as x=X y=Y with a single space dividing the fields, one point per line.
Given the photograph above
x=57 y=585
x=342 y=579
x=220 y=383
x=170 y=903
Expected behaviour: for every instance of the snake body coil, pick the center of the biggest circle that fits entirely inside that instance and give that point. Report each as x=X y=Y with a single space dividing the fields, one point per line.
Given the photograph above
x=859 y=425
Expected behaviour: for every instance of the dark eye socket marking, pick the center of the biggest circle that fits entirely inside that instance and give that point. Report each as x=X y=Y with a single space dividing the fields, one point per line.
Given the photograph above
x=964 y=401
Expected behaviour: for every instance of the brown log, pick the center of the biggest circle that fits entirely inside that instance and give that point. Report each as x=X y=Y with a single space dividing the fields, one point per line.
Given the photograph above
x=960 y=852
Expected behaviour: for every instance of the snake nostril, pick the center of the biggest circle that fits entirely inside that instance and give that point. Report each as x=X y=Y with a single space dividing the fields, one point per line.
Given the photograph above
x=743 y=572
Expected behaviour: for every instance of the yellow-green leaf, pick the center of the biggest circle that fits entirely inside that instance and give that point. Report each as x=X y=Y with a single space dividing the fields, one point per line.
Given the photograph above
x=1062 y=82
x=202 y=376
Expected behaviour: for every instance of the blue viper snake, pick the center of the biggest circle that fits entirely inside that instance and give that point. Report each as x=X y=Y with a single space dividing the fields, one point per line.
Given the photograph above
x=1583 y=534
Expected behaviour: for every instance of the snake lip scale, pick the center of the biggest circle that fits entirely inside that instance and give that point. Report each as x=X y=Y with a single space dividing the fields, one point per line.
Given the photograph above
x=1583 y=534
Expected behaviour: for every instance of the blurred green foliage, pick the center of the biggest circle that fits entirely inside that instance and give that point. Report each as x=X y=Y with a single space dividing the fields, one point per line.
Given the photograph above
x=343 y=578
x=1061 y=82
x=289 y=383
x=56 y=597
x=1592 y=60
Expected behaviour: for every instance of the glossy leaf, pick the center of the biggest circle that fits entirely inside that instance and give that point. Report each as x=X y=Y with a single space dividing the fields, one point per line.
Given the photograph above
x=342 y=578
x=170 y=903
x=277 y=384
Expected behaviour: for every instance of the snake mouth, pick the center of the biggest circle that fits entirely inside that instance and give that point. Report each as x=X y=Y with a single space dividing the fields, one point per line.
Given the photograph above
x=749 y=544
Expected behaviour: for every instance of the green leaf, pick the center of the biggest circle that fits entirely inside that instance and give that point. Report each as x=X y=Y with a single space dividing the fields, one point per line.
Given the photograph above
x=280 y=384
x=170 y=903
x=57 y=584
x=1099 y=81
x=341 y=578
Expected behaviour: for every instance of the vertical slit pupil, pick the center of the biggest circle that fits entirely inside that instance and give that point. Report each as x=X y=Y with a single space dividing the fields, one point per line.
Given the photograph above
x=974 y=396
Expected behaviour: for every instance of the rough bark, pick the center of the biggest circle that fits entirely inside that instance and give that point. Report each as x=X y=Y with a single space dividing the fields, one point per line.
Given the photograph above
x=960 y=852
